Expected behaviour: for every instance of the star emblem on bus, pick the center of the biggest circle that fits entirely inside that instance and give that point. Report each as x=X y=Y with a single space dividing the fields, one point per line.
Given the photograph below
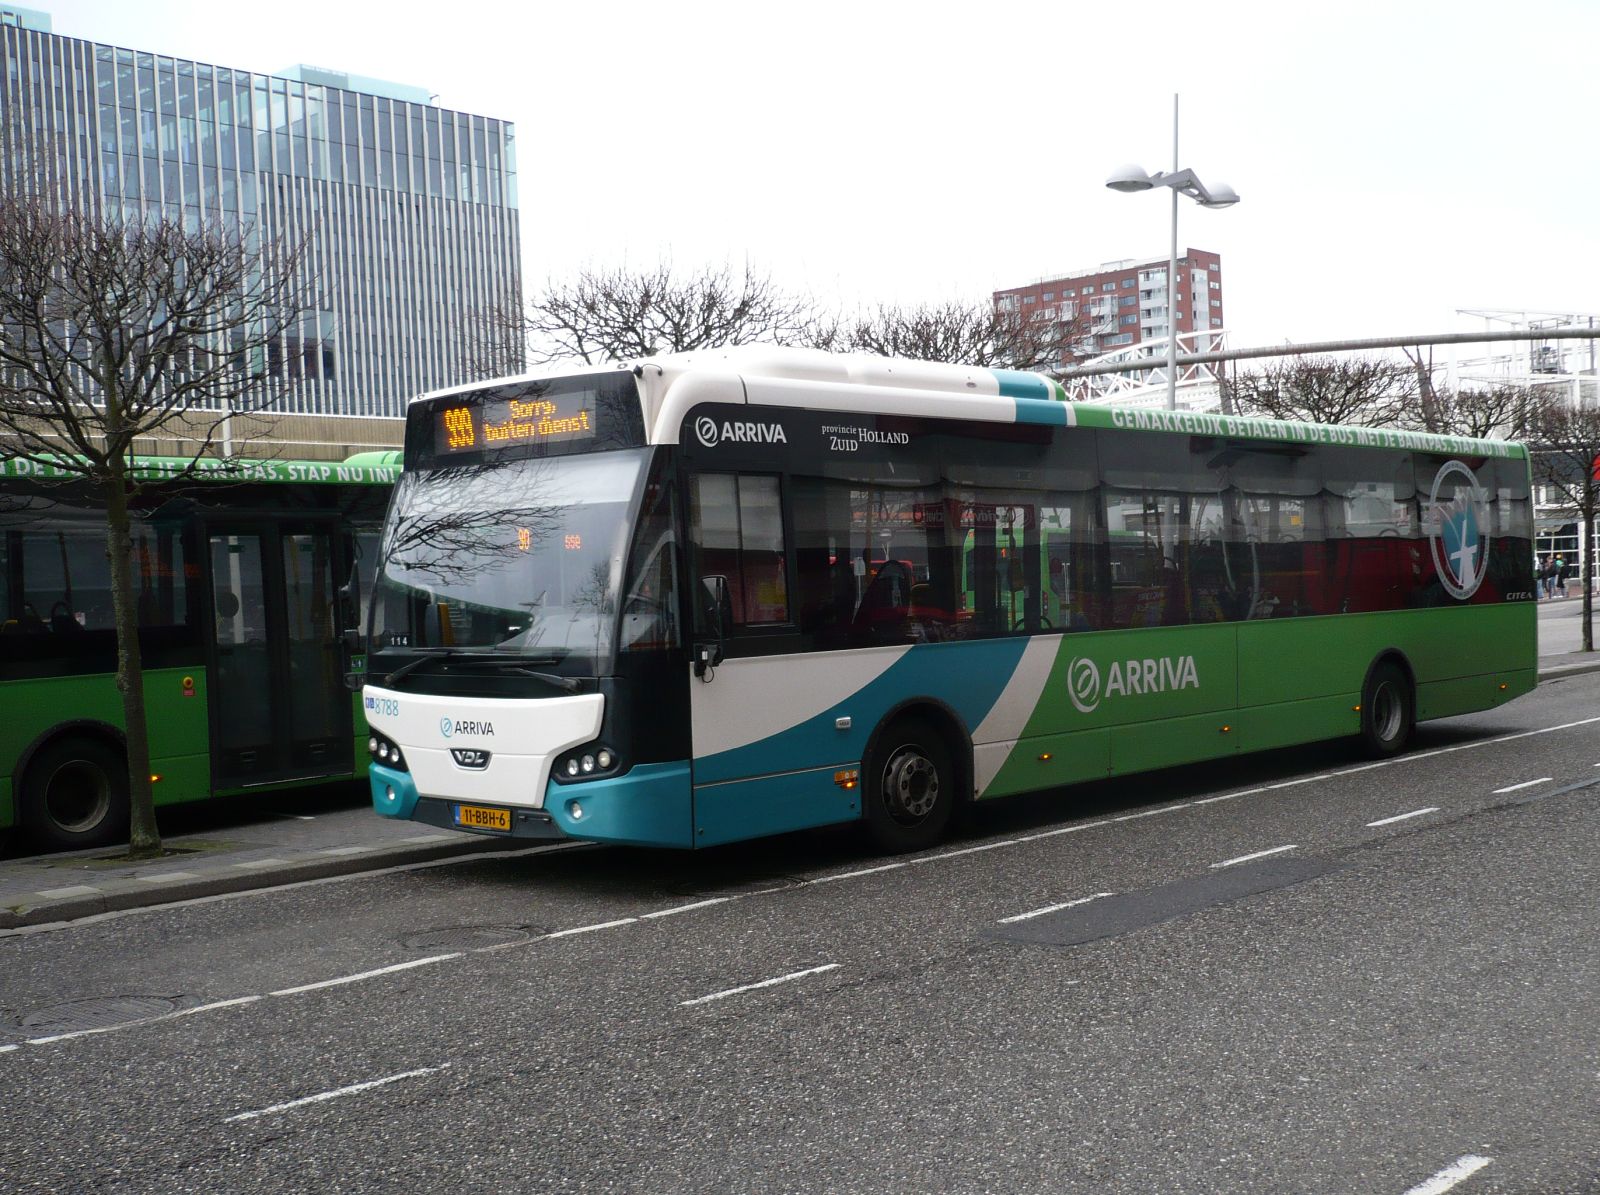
x=1459 y=550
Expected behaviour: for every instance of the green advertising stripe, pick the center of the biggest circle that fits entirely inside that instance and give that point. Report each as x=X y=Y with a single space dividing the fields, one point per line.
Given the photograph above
x=159 y=468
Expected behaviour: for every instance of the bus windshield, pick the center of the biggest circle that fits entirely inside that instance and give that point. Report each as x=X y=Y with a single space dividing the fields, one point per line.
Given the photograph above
x=520 y=557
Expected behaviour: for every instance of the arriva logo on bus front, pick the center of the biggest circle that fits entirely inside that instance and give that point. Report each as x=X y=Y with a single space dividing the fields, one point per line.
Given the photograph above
x=1128 y=676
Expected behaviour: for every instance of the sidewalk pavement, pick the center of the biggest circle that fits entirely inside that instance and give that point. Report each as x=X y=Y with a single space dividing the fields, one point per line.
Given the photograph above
x=332 y=832
x=286 y=841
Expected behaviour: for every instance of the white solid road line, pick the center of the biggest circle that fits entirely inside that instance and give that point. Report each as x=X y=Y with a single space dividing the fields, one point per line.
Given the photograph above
x=765 y=983
x=1277 y=850
x=1461 y=1168
x=589 y=929
x=676 y=909
x=343 y=979
x=333 y=1095
x=1400 y=817
x=1511 y=788
x=1069 y=904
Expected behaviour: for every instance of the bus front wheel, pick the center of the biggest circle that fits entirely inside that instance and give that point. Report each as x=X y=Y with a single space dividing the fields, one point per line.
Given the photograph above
x=910 y=791
x=75 y=795
x=1388 y=711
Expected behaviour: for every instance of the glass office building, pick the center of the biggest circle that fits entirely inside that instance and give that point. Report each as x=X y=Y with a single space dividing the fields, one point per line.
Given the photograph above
x=408 y=211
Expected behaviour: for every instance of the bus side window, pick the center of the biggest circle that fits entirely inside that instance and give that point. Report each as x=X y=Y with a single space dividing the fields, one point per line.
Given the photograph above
x=737 y=525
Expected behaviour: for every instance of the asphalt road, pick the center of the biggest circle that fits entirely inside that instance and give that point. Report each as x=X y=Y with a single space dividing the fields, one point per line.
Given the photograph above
x=1298 y=972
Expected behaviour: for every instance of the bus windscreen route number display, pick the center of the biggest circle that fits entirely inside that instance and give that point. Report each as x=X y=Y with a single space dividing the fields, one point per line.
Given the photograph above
x=494 y=423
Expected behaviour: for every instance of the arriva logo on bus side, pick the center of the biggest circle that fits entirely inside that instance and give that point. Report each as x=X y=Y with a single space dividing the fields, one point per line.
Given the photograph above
x=710 y=433
x=1126 y=677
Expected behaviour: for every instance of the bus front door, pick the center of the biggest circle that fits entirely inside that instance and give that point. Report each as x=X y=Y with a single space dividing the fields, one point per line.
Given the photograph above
x=279 y=709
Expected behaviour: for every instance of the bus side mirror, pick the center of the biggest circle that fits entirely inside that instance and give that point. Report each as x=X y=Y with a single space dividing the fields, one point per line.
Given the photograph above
x=350 y=601
x=355 y=674
x=717 y=618
x=718 y=606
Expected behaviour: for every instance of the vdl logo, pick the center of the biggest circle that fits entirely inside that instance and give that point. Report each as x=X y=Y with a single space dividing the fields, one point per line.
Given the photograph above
x=1457 y=540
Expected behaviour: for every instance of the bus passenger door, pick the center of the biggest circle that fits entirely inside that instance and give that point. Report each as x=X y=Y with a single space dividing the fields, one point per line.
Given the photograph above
x=757 y=750
x=279 y=710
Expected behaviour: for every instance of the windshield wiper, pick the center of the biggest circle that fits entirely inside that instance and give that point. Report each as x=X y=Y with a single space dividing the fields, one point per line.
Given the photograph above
x=506 y=663
x=517 y=664
x=424 y=654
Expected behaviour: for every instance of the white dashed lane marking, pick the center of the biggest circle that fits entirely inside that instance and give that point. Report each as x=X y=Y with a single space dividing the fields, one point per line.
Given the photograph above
x=335 y=1094
x=1069 y=904
x=1400 y=817
x=1277 y=850
x=765 y=983
x=1511 y=788
x=1462 y=1168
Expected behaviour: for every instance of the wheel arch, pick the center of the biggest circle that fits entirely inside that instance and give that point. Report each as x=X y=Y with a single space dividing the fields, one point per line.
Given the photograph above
x=88 y=728
x=946 y=723
x=1397 y=657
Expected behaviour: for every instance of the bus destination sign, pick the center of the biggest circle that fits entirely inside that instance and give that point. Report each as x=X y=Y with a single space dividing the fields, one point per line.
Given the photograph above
x=504 y=421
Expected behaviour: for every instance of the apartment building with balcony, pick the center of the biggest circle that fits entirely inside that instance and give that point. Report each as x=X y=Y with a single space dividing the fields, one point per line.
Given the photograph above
x=1122 y=303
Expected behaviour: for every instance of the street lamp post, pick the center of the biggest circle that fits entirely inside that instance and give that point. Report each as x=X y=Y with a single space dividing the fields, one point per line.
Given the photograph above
x=1181 y=182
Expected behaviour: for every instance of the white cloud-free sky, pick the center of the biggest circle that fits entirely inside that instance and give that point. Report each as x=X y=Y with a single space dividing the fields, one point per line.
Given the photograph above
x=1397 y=160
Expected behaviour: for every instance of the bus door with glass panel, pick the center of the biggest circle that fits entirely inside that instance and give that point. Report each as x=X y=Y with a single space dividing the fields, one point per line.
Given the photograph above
x=279 y=708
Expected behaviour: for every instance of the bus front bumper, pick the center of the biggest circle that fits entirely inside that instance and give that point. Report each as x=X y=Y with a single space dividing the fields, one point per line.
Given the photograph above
x=650 y=805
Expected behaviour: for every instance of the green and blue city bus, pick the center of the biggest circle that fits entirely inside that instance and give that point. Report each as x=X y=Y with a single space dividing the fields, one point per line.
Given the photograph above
x=241 y=624
x=694 y=599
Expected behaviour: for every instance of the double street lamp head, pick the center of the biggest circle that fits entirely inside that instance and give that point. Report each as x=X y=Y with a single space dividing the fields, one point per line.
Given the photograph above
x=1134 y=178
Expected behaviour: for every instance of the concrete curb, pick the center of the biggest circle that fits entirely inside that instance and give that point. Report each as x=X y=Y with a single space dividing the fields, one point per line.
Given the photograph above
x=1560 y=671
x=122 y=892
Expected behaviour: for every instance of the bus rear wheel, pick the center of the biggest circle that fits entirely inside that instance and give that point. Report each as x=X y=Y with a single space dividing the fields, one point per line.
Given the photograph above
x=910 y=791
x=75 y=795
x=1388 y=712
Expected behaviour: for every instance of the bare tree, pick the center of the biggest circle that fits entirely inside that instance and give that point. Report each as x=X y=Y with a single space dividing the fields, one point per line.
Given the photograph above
x=957 y=332
x=112 y=330
x=1565 y=446
x=609 y=315
x=1504 y=411
x=1362 y=391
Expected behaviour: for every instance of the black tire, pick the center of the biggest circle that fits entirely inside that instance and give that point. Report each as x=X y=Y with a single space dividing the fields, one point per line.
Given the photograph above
x=75 y=796
x=909 y=789
x=1388 y=712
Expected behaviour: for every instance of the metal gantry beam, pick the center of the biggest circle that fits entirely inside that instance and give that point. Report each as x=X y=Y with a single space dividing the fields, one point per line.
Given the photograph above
x=1336 y=346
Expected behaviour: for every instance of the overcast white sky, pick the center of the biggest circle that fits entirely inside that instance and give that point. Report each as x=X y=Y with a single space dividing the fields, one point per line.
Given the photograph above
x=1397 y=160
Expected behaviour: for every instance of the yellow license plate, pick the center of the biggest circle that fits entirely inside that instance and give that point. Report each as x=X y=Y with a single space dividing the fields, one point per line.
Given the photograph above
x=479 y=817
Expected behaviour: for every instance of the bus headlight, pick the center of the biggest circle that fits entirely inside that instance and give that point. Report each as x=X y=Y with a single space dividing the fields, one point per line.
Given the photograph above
x=386 y=751
x=589 y=762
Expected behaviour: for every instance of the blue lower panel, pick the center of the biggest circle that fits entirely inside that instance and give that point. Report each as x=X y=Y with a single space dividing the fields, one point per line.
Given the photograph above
x=649 y=806
x=742 y=809
x=394 y=794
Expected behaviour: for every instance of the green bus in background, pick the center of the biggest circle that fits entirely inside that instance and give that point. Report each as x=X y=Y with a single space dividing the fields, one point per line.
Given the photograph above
x=246 y=584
